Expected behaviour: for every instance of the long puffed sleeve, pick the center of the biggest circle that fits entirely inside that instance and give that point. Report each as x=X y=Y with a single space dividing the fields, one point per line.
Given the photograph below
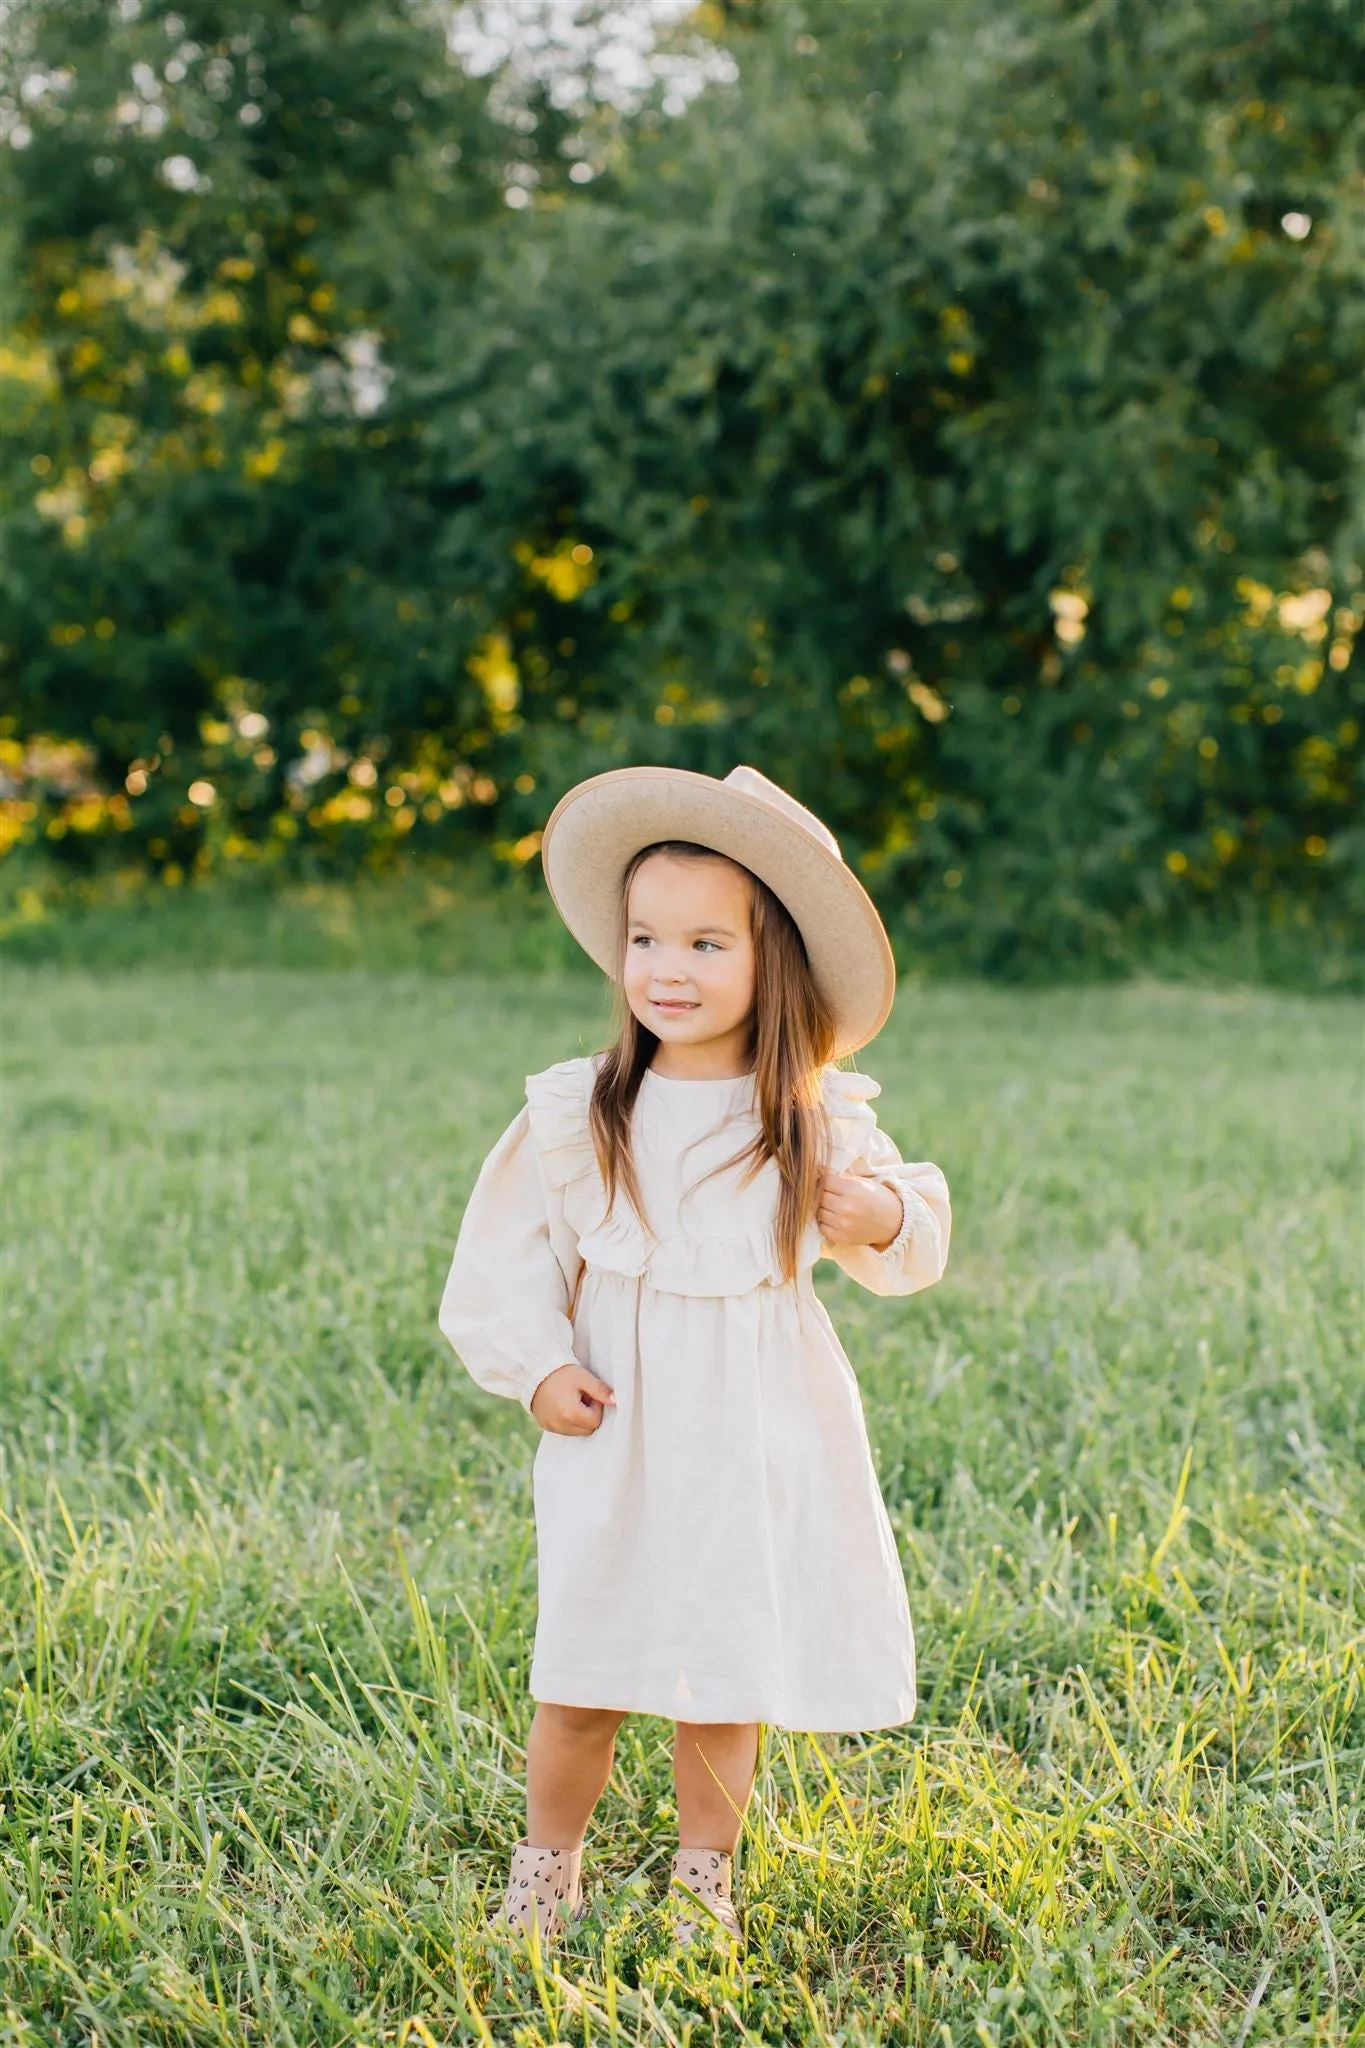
x=507 y=1301
x=918 y=1253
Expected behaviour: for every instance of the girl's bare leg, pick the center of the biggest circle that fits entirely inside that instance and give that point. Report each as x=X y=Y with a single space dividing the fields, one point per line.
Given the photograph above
x=710 y=1813
x=568 y=1761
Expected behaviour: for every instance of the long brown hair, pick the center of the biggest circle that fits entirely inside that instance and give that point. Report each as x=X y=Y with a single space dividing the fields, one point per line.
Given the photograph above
x=791 y=1040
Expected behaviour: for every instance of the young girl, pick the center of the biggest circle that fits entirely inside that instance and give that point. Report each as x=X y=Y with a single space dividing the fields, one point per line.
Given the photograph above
x=635 y=1267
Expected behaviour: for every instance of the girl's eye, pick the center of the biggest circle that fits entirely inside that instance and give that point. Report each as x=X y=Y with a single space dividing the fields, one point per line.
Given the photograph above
x=706 y=946
x=641 y=939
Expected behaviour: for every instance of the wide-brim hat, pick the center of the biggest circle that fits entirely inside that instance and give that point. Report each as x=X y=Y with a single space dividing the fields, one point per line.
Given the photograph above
x=597 y=829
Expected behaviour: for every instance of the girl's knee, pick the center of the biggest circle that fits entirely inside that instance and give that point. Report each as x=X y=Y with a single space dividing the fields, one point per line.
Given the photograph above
x=581 y=1723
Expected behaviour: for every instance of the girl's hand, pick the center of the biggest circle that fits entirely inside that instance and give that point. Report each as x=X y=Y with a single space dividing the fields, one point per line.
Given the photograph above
x=571 y=1401
x=855 y=1209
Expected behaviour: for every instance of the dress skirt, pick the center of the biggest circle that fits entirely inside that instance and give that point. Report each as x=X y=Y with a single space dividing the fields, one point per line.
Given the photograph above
x=718 y=1549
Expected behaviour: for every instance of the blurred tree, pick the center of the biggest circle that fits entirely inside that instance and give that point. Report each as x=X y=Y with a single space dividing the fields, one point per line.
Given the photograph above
x=958 y=417
x=219 y=215
x=961 y=419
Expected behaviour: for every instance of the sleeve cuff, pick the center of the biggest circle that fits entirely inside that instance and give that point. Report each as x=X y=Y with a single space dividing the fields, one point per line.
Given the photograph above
x=892 y=1252
x=536 y=1378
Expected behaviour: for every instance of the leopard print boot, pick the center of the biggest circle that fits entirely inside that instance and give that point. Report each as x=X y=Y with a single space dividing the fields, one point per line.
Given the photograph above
x=700 y=1897
x=542 y=1890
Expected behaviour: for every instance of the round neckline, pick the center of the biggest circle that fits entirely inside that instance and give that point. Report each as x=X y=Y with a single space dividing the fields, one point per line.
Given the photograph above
x=698 y=1080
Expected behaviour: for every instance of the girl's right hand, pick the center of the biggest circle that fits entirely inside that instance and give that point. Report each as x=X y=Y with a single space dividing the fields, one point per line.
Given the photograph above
x=571 y=1401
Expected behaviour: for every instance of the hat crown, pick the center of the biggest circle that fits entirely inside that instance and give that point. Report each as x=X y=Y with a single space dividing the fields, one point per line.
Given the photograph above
x=749 y=782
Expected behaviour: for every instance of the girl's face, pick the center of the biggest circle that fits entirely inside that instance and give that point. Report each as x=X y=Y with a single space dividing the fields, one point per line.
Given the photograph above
x=689 y=969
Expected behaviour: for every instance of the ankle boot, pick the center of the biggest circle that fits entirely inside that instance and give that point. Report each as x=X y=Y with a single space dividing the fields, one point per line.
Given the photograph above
x=542 y=1890
x=699 y=1892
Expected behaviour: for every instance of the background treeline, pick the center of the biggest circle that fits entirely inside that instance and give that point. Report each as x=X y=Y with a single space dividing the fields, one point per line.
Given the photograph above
x=957 y=413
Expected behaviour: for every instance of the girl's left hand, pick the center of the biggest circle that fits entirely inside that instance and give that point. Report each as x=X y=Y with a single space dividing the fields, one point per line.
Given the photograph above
x=855 y=1209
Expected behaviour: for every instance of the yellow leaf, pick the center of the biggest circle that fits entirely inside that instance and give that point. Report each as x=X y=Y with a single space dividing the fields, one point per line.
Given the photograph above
x=496 y=673
x=220 y=309
x=263 y=462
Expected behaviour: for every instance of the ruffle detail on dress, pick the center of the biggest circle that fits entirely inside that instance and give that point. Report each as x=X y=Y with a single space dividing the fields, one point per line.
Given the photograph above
x=558 y=1104
x=851 y=1122
x=714 y=1266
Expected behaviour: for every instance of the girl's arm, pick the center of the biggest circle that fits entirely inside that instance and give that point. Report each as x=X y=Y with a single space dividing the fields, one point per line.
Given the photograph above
x=507 y=1301
x=918 y=1253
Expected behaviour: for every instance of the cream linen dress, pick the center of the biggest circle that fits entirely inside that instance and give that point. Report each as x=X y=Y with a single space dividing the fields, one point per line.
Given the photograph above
x=718 y=1549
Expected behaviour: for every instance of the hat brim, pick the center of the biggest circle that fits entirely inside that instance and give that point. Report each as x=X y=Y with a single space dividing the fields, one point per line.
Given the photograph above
x=597 y=829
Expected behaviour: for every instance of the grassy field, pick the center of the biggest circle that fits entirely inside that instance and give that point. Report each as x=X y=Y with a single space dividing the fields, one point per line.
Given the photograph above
x=267 y=1578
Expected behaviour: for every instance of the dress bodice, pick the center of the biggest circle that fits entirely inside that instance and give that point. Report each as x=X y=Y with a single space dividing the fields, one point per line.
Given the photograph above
x=709 y=1219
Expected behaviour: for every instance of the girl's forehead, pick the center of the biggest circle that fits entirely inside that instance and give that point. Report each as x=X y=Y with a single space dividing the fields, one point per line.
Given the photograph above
x=665 y=884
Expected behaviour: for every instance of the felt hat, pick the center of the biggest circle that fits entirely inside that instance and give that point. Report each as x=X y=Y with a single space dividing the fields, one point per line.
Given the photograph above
x=597 y=829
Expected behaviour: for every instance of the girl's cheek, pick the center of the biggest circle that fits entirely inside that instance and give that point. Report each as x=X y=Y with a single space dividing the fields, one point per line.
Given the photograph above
x=739 y=985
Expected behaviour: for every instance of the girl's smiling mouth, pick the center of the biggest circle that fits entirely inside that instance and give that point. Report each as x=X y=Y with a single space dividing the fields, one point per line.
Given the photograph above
x=672 y=1003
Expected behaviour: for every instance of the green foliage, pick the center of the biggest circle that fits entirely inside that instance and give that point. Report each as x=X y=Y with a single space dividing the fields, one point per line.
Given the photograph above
x=957 y=418
x=203 y=472
x=266 y=1579
x=441 y=917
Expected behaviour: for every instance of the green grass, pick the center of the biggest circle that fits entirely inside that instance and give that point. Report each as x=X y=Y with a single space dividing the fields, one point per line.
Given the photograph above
x=267 y=1577
x=444 y=917
x=435 y=919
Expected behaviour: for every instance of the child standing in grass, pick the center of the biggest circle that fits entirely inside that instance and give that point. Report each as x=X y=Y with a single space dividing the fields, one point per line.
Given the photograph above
x=635 y=1267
